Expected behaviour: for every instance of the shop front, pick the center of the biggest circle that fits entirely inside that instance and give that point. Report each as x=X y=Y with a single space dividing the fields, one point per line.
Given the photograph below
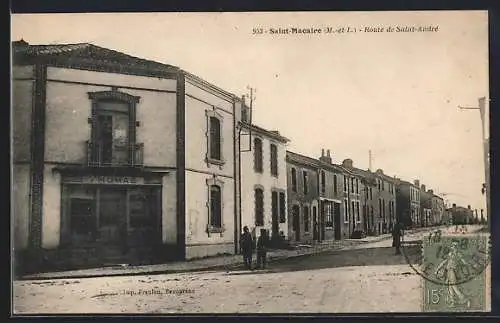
x=109 y=220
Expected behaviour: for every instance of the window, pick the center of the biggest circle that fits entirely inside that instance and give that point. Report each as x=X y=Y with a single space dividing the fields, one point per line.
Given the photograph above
x=215 y=144
x=282 y=207
x=372 y=211
x=382 y=183
x=306 y=184
x=346 y=211
x=345 y=183
x=113 y=129
x=306 y=219
x=357 y=186
x=259 y=207
x=83 y=218
x=371 y=195
x=335 y=188
x=329 y=216
x=257 y=155
x=214 y=138
x=358 y=218
x=323 y=180
x=140 y=209
x=215 y=206
x=274 y=160
x=294 y=180
x=352 y=184
x=353 y=210
x=383 y=209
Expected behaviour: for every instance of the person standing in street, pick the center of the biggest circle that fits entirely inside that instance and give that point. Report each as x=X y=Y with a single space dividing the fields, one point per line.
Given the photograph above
x=262 y=245
x=396 y=237
x=246 y=247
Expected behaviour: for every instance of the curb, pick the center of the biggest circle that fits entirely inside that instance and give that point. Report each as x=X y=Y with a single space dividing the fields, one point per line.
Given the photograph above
x=230 y=266
x=174 y=271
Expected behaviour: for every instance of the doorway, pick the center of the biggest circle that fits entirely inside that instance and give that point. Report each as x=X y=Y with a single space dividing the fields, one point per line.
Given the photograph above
x=112 y=222
x=315 y=224
x=336 y=221
x=296 y=221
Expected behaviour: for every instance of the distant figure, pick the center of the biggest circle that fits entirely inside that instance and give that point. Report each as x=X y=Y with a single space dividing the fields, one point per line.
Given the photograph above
x=396 y=237
x=246 y=247
x=262 y=245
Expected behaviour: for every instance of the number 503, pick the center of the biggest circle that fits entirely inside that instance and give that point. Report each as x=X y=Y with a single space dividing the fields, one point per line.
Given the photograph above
x=434 y=296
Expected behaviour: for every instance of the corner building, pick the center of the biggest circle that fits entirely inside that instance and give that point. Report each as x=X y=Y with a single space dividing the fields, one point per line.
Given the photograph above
x=118 y=159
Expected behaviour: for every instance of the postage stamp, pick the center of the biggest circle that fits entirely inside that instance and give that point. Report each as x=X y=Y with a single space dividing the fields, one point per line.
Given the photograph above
x=453 y=272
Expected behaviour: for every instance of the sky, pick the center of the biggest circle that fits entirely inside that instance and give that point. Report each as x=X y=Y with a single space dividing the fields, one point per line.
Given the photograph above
x=394 y=93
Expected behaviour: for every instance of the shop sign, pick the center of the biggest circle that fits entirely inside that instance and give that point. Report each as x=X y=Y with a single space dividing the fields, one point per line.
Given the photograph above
x=109 y=180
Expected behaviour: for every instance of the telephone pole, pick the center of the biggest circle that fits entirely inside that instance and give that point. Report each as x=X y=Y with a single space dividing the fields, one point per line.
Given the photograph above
x=370 y=160
x=485 y=143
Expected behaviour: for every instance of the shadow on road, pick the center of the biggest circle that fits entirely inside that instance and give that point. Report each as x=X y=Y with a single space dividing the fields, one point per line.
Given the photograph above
x=381 y=256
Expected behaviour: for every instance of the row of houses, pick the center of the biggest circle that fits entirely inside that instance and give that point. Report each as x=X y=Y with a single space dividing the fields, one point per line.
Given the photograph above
x=118 y=159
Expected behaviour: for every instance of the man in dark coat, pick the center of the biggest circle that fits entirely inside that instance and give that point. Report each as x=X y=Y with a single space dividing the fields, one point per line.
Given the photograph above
x=396 y=237
x=246 y=247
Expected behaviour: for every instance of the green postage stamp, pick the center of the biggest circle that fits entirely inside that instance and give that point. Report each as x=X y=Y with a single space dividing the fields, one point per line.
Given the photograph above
x=454 y=272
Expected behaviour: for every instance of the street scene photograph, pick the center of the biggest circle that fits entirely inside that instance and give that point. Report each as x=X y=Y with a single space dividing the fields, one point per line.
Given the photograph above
x=250 y=162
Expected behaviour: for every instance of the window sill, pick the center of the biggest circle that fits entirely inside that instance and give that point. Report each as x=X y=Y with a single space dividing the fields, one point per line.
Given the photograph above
x=218 y=162
x=211 y=229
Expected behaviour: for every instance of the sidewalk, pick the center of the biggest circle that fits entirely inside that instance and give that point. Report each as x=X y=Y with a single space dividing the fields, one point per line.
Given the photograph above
x=228 y=262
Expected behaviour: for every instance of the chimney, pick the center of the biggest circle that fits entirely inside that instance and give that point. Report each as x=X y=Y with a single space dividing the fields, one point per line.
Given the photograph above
x=454 y=206
x=326 y=159
x=379 y=171
x=431 y=192
x=468 y=206
x=417 y=183
x=347 y=163
x=423 y=187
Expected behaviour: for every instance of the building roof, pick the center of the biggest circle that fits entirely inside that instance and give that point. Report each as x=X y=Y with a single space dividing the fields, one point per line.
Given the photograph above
x=92 y=57
x=312 y=162
x=86 y=50
x=302 y=159
x=269 y=133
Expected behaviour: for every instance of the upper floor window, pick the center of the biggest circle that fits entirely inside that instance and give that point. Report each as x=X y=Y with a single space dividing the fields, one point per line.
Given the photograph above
x=346 y=211
x=346 y=181
x=259 y=207
x=214 y=138
x=305 y=182
x=294 y=180
x=258 y=158
x=357 y=186
x=371 y=193
x=274 y=159
x=113 y=133
x=352 y=184
x=335 y=188
x=215 y=144
x=323 y=182
x=382 y=184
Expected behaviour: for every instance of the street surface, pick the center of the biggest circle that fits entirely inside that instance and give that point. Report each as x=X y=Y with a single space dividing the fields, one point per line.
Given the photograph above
x=367 y=278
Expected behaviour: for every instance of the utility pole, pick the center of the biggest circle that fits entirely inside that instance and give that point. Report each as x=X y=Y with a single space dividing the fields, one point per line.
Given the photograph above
x=370 y=160
x=251 y=95
x=485 y=143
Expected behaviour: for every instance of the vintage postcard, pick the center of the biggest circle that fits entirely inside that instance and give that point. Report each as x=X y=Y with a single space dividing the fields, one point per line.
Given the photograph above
x=251 y=162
